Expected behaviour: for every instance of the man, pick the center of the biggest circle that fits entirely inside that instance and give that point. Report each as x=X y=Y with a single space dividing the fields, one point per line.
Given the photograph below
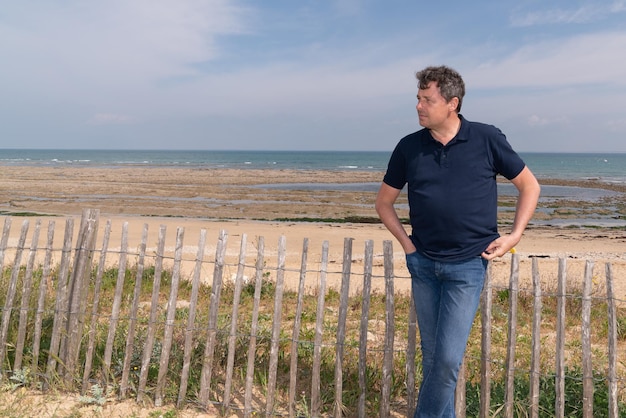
x=450 y=167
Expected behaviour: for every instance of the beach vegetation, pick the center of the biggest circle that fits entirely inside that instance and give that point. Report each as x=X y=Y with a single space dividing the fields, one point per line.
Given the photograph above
x=507 y=203
x=22 y=214
x=348 y=219
x=106 y=382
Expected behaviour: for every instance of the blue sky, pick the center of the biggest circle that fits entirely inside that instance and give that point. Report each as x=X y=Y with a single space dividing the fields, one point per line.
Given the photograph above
x=305 y=75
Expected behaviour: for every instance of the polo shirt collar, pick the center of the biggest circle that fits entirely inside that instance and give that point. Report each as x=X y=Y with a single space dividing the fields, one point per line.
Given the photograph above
x=461 y=136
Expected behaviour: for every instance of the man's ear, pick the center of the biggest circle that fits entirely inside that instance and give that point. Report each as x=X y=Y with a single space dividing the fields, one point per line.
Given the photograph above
x=454 y=103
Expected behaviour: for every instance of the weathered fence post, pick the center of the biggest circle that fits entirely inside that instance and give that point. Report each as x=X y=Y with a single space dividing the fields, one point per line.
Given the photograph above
x=512 y=338
x=152 y=321
x=130 y=335
x=5 y=239
x=586 y=342
x=559 y=407
x=460 y=397
x=209 y=349
x=612 y=319
x=411 y=355
x=295 y=336
x=316 y=402
x=258 y=285
x=95 y=307
x=26 y=291
x=365 y=311
x=8 y=302
x=278 y=310
x=169 y=320
x=485 y=359
x=41 y=300
x=191 y=320
x=78 y=291
x=61 y=300
x=535 y=362
x=232 y=336
x=390 y=324
x=341 y=325
x=117 y=300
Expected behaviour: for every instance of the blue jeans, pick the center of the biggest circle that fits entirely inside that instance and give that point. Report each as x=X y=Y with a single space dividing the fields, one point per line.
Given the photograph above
x=446 y=297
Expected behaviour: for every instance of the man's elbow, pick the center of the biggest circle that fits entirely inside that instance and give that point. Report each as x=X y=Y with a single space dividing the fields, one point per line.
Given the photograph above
x=527 y=184
x=379 y=206
x=383 y=207
x=535 y=189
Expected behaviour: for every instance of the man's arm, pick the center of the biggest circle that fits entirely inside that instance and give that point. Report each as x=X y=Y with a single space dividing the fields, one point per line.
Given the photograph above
x=385 y=200
x=529 y=190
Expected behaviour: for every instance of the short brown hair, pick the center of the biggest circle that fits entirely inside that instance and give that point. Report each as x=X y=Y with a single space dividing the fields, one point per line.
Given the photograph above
x=449 y=81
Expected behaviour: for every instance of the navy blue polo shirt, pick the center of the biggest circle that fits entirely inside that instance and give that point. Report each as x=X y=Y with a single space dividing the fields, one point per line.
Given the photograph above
x=452 y=192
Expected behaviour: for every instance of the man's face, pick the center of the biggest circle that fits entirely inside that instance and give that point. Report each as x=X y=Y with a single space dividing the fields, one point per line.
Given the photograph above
x=432 y=108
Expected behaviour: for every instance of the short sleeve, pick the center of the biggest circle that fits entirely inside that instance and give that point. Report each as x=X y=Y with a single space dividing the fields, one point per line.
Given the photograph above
x=396 y=169
x=507 y=162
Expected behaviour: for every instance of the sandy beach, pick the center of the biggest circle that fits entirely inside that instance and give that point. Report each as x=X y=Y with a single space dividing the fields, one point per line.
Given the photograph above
x=246 y=202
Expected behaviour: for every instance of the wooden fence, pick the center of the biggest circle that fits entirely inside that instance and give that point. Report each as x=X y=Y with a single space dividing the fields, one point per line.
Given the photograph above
x=53 y=324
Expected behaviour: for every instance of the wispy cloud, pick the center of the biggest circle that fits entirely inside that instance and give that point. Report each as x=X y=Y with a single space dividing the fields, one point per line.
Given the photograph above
x=536 y=120
x=617 y=125
x=586 y=13
x=618 y=6
x=348 y=7
x=590 y=59
x=110 y=119
x=117 y=41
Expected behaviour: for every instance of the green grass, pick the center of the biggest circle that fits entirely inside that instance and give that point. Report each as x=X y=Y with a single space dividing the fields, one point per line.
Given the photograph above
x=350 y=385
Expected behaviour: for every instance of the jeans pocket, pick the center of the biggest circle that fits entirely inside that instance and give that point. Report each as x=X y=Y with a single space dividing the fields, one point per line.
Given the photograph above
x=412 y=262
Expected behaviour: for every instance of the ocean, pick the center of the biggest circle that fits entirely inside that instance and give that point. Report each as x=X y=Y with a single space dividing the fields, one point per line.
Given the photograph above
x=607 y=167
